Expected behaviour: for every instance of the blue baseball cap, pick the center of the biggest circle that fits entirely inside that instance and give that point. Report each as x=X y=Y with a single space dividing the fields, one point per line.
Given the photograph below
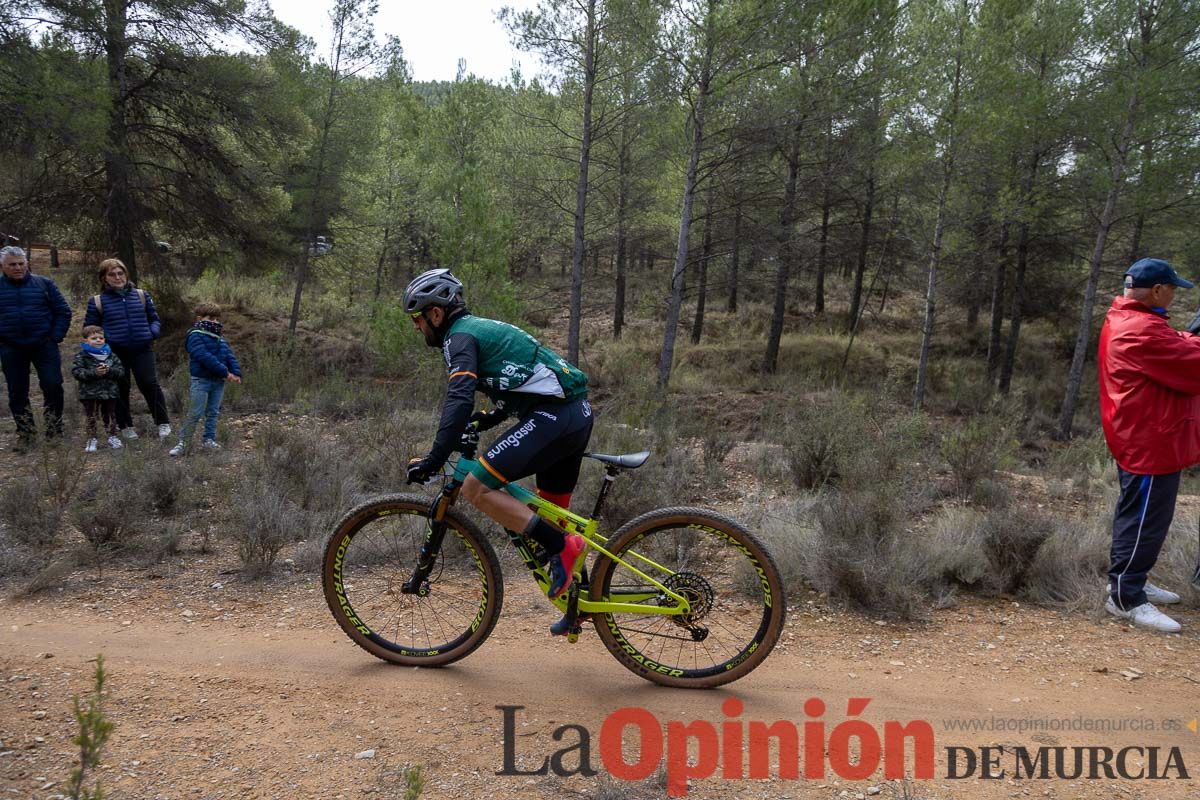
x=1151 y=271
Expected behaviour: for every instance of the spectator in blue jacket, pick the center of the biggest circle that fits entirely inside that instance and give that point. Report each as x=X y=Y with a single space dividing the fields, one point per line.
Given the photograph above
x=34 y=318
x=212 y=364
x=131 y=325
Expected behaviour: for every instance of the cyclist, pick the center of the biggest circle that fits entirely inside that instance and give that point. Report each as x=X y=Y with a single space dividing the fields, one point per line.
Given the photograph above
x=524 y=379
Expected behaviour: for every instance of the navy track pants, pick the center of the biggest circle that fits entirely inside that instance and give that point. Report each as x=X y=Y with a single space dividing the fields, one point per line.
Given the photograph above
x=1143 y=517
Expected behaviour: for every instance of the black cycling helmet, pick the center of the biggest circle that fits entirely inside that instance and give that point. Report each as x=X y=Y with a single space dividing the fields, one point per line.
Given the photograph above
x=435 y=287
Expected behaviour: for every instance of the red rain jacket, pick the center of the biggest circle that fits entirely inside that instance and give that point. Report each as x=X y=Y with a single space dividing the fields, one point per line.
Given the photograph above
x=1149 y=390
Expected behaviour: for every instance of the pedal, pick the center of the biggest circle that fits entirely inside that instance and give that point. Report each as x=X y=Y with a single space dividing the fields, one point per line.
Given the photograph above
x=573 y=634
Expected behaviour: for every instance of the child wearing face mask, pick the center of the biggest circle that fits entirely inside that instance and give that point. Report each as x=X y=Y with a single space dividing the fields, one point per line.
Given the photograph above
x=212 y=365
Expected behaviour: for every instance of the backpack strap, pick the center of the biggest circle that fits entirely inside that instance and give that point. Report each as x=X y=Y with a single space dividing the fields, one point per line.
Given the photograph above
x=97 y=299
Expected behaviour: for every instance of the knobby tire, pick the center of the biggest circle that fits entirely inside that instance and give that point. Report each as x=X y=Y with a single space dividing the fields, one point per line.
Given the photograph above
x=373 y=551
x=739 y=598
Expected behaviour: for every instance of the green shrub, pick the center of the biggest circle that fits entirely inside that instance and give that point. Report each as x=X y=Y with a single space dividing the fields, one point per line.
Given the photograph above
x=161 y=540
x=860 y=554
x=266 y=521
x=975 y=449
x=1019 y=552
x=110 y=513
x=275 y=376
x=28 y=516
x=855 y=546
x=841 y=440
x=1069 y=568
x=1012 y=539
x=957 y=551
x=393 y=337
x=383 y=444
x=160 y=481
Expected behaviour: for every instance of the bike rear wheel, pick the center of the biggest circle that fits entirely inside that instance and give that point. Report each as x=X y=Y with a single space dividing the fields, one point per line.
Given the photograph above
x=729 y=578
x=373 y=551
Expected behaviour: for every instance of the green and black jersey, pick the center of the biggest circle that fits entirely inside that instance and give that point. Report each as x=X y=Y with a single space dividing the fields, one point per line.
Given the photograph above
x=515 y=370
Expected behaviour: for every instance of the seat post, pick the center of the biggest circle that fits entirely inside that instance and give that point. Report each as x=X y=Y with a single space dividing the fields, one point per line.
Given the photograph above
x=610 y=474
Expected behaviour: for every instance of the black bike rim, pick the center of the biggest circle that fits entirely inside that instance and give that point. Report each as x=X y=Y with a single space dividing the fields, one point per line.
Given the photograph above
x=399 y=572
x=656 y=625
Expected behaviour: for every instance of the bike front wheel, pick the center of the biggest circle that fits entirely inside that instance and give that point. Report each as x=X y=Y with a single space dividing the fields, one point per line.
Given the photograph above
x=731 y=583
x=373 y=551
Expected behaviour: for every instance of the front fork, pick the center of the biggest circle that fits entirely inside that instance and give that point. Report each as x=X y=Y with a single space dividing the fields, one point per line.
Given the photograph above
x=435 y=531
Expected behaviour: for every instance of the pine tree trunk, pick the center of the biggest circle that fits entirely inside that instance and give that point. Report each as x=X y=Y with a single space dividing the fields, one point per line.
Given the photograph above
x=619 y=310
x=1083 y=338
x=1139 y=223
x=1008 y=365
x=975 y=279
x=935 y=255
x=383 y=249
x=622 y=210
x=120 y=208
x=931 y=290
x=787 y=250
x=731 y=306
x=999 y=277
x=318 y=176
x=1135 y=241
x=675 y=299
x=705 y=255
x=823 y=249
x=863 y=245
x=888 y=259
x=1015 y=314
x=581 y=188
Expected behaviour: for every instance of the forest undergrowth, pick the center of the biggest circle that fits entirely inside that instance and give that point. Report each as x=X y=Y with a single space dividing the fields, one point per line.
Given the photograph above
x=886 y=511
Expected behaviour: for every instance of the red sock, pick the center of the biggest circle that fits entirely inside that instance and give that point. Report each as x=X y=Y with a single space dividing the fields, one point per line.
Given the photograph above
x=561 y=499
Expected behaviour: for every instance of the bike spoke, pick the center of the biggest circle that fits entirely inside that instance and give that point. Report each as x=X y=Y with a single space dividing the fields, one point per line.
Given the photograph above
x=708 y=569
x=381 y=557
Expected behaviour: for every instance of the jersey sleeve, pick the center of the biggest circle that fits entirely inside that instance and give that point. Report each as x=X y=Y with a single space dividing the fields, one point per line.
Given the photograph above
x=461 y=352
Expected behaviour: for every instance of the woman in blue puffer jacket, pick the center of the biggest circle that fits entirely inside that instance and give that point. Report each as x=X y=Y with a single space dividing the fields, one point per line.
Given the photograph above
x=130 y=327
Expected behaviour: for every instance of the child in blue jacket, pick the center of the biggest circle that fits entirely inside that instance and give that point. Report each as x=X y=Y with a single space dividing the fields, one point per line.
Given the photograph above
x=212 y=364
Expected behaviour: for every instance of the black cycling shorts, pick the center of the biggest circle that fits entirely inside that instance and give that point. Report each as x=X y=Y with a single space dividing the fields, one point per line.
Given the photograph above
x=549 y=442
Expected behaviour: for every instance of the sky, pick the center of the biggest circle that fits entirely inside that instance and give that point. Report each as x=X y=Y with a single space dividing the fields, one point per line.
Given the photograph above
x=434 y=34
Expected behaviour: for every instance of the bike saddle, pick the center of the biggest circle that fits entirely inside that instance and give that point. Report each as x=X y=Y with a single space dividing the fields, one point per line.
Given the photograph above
x=627 y=461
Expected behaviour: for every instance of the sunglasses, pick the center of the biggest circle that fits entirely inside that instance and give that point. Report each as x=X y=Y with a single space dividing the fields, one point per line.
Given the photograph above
x=416 y=315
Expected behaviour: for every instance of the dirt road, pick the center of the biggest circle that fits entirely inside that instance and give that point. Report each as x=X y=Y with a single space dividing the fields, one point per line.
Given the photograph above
x=226 y=689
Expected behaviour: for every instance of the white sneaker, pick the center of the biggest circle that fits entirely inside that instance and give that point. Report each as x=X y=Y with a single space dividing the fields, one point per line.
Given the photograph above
x=210 y=444
x=1144 y=616
x=115 y=443
x=177 y=450
x=129 y=433
x=1156 y=594
x=164 y=431
x=91 y=446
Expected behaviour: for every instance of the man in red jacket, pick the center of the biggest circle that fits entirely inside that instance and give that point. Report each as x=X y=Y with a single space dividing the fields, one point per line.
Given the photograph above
x=1150 y=410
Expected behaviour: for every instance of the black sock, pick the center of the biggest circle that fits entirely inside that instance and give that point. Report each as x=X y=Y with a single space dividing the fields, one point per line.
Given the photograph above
x=549 y=537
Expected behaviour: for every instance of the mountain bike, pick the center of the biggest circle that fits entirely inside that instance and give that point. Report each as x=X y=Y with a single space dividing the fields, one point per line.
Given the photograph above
x=683 y=597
